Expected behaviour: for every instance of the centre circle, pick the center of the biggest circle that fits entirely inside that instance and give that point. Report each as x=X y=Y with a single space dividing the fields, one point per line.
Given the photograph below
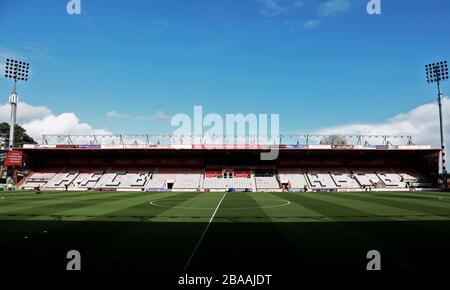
x=238 y=203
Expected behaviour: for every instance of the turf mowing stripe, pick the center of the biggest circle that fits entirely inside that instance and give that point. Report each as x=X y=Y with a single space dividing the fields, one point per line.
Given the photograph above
x=294 y=212
x=421 y=206
x=431 y=201
x=363 y=203
x=332 y=210
x=194 y=208
x=145 y=210
x=204 y=233
x=51 y=196
x=44 y=213
x=45 y=206
x=242 y=207
x=107 y=207
x=317 y=242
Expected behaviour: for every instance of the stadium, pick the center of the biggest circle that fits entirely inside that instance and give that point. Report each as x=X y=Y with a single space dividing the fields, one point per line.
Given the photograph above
x=182 y=199
x=223 y=200
x=221 y=167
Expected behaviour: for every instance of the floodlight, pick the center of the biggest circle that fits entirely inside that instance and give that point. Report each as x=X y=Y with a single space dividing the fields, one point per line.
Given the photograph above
x=17 y=71
x=436 y=73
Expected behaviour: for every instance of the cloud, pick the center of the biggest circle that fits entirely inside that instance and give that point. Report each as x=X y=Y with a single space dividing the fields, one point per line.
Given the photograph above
x=25 y=112
x=272 y=8
x=39 y=120
x=9 y=53
x=158 y=116
x=333 y=7
x=421 y=122
x=115 y=115
x=298 y=25
x=37 y=51
x=298 y=4
x=27 y=51
x=310 y=24
x=65 y=123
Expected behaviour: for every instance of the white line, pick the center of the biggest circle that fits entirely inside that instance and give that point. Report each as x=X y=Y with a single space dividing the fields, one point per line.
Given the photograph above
x=204 y=233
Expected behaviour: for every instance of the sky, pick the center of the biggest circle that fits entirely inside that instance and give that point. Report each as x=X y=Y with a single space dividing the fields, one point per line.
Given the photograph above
x=322 y=65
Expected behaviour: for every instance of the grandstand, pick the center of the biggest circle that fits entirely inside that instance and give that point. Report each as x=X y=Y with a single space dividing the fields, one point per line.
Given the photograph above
x=166 y=167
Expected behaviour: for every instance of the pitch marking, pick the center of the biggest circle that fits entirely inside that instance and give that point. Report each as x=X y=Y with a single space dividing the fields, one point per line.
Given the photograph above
x=283 y=203
x=204 y=233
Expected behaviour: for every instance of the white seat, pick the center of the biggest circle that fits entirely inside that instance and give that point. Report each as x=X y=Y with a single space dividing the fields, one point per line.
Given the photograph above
x=267 y=182
x=319 y=179
x=293 y=176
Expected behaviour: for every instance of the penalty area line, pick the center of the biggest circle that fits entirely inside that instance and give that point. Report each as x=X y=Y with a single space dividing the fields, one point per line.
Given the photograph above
x=204 y=233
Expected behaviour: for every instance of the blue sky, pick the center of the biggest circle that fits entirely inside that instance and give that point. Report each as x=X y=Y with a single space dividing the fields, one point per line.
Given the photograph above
x=317 y=63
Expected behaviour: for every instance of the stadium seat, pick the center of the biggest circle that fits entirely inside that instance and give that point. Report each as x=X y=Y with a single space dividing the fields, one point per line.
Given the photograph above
x=319 y=178
x=343 y=179
x=293 y=176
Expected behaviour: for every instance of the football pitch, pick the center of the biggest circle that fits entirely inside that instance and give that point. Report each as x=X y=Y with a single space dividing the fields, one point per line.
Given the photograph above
x=217 y=231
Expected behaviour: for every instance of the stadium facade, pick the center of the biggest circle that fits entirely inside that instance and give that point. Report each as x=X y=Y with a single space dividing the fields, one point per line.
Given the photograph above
x=214 y=167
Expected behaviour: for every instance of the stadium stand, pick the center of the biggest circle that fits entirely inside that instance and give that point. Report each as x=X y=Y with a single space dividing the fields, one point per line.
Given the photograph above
x=192 y=167
x=188 y=179
x=391 y=178
x=292 y=177
x=319 y=178
x=175 y=178
x=38 y=178
x=344 y=179
x=87 y=178
x=192 y=179
x=220 y=180
x=124 y=179
x=366 y=178
x=266 y=180
x=62 y=179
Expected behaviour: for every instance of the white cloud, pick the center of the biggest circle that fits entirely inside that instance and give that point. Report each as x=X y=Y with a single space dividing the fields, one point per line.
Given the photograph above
x=65 y=123
x=272 y=8
x=9 y=53
x=158 y=116
x=421 y=122
x=298 y=4
x=37 y=51
x=25 y=112
x=39 y=120
x=115 y=115
x=333 y=7
x=310 y=24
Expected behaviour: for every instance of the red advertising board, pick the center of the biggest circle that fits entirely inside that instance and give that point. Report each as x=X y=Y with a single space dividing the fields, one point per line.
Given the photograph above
x=14 y=158
x=242 y=174
x=213 y=174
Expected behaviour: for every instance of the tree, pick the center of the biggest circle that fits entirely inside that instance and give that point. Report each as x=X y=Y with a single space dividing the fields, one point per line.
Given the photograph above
x=333 y=140
x=20 y=135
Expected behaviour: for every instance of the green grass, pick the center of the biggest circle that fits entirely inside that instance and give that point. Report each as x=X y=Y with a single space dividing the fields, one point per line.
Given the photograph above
x=236 y=207
x=249 y=232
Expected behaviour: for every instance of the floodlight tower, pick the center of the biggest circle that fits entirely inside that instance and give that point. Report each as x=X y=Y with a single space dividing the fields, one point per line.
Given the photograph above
x=18 y=71
x=437 y=72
